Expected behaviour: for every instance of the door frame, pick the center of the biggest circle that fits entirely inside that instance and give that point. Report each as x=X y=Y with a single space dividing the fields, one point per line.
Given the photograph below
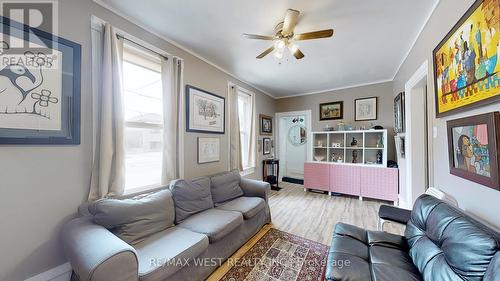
x=308 y=124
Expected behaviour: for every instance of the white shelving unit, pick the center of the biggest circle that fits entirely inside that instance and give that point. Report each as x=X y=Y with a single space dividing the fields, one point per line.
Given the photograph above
x=335 y=147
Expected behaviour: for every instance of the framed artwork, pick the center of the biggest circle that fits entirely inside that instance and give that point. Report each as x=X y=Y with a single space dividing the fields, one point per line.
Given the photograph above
x=399 y=113
x=39 y=86
x=267 y=146
x=473 y=145
x=466 y=63
x=331 y=110
x=266 y=124
x=365 y=109
x=208 y=150
x=205 y=111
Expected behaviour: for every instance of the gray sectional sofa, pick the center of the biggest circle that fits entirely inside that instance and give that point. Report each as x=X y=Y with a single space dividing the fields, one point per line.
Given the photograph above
x=181 y=232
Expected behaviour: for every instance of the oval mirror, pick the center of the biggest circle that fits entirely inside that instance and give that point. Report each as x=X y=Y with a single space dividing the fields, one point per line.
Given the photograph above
x=297 y=135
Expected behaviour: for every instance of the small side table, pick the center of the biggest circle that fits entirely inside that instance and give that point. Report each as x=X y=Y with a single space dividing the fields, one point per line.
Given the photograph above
x=271 y=178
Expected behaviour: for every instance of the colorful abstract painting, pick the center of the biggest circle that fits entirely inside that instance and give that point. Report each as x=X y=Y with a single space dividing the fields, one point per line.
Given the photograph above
x=466 y=62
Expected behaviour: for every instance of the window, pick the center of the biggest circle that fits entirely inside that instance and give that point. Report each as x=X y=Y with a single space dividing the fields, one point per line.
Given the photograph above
x=143 y=118
x=246 y=116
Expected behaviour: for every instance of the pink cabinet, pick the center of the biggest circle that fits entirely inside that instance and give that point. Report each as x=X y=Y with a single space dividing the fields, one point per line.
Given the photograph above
x=380 y=183
x=345 y=179
x=317 y=176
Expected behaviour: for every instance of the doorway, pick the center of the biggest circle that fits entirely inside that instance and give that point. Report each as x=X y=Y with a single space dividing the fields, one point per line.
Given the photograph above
x=293 y=144
x=415 y=173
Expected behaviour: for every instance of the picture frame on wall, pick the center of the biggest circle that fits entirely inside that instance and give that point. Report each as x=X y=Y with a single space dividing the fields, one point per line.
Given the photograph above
x=205 y=111
x=399 y=113
x=208 y=150
x=331 y=111
x=365 y=109
x=267 y=146
x=266 y=124
x=466 y=62
x=473 y=146
x=40 y=100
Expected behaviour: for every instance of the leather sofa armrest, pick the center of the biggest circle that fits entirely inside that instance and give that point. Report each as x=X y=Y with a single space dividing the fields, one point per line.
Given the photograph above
x=255 y=188
x=96 y=254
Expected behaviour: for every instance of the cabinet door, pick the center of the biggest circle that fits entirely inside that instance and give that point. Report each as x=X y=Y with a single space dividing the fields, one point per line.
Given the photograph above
x=345 y=179
x=379 y=183
x=317 y=176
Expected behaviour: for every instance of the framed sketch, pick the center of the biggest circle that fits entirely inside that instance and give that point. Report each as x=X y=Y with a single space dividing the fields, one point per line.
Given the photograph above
x=466 y=62
x=39 y=86
x=208 y=150
x=473 y=146
x=331 y=110
x=399 y=113
x=365 y=109
x=205 y=111
x=267 y=146
x=266 y=124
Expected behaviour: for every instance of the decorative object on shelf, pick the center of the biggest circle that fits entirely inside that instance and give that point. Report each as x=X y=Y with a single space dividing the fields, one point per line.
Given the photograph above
x=319 y=157
x=331 y=111
x=320 y=143
x=271 y=172
x=297 y=135
x=266 y=124
x=399 y=113
x=473 y=145
x=267 y=146
x=340 y=126
x=40 y=86
x=380 y=141
x=354 y=142
x=205 y=111
x=336 y=144
x=365 y=109
x=377 y=127
x=478 y=50
x=332 y=156
x=354 y=156
x=339 y=160
x=379 y=157
x=208 y=150
x=327 y=128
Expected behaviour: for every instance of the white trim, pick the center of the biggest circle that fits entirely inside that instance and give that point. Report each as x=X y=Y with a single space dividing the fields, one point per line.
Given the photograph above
x=59 y=273
x=172 y=42
x=416 y=38
x=336 y=89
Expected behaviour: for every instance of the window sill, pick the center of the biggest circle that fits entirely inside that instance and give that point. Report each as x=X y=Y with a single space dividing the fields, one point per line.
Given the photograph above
x=247 y=171
x=140 y=190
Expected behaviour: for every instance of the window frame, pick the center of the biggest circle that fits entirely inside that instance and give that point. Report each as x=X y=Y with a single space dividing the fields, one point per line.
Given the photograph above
x=249 y=169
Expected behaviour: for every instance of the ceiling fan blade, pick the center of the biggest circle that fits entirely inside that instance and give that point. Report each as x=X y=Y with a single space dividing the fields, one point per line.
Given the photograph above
x=298 y=54
x=255 y=36
x=314 y=35
x=291 y=19
x=266 y=52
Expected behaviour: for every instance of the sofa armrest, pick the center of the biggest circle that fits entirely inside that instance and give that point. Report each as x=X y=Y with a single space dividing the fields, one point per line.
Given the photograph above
x=96 y=254
x=255 y=188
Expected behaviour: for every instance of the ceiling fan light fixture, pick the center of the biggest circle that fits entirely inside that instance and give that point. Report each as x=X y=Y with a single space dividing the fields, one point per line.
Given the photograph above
x=280 y=44
x=278 y=54
x=293 y=48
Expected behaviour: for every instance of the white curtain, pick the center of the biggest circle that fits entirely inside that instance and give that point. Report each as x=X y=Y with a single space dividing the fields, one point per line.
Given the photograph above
x=108 y=167
x=235 y=161
x=172 y=81
x=252 y=151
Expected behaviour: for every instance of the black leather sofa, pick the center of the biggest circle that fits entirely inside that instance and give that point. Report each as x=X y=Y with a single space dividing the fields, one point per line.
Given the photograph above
x=441 y=243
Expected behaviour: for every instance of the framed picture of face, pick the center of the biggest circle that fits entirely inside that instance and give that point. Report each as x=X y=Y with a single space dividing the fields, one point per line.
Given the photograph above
x=331 y=111
x=267 y=146
x=474 y=143
x=365 y=109
x=266 y=124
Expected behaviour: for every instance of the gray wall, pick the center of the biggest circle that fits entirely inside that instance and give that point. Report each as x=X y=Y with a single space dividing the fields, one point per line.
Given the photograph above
x=385 y=107
x=41 y=186
x=474 y=198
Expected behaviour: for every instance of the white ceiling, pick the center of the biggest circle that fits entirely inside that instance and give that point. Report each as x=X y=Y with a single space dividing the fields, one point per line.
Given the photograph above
x=371 y=39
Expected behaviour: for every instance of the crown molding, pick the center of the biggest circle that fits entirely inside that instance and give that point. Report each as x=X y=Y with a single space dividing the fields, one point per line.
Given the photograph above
x=174 y=43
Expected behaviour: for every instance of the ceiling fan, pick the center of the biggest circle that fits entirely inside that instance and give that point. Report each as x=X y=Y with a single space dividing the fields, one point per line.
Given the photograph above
x=285 y=37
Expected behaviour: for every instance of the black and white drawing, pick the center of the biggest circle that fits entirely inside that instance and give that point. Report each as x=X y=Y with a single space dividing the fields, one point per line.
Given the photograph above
x=365 y=109
x=208 y=150
x=205 y=111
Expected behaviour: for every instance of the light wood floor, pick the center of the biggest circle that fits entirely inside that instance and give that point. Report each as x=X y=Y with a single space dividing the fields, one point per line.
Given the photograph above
x=313 y=215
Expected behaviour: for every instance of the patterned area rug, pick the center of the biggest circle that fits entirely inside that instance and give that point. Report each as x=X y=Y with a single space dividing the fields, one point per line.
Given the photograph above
x=280 y=256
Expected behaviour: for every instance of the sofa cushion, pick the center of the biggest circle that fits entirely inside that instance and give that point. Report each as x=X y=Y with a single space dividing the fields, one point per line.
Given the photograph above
x=136 y=218
x=165 y=252
x=225 y=186
x=191 y=197
x=248 y=206
x=214 y=223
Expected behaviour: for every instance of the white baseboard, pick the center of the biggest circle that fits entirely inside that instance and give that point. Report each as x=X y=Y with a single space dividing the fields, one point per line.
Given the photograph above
x=59 y=273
